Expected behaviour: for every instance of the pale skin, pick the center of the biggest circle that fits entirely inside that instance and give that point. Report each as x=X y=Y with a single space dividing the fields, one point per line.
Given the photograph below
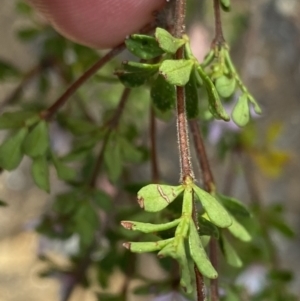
x=98 y=23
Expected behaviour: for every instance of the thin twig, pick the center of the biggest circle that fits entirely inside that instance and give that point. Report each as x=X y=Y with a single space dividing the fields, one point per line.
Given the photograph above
x=209 y=186
x=65 y=78
x=13 y=96
x=219 y=37
x=48 y=114
x=111 y=124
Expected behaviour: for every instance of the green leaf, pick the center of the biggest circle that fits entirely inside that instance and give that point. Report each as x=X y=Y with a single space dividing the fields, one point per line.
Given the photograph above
x=66 y=203
x=191 y=97
x=86 y=223
x=225 y=4
x=207 y=228
x=163 y=94
x=167 y=42
x=40 y=173
x=7 y=70
x=10 y=150
x=185 y=279
x=136 y=74
x=256 y=106
x=102 y=200
x=24 y=8
x=15 y=120
x=109 y=297
x=215 y=211
x=144 y=47
x=77 y=126
x=281 y=275
x=154 y=197
x=177 y=251
x=28 y=34
x=225 y=86
x=239 y=231
x=230 y=254
x=37 y=140
x=215 y=105
x=176 y=72
x=199 y=255
x=129 y=152
x=143 y=247
x=113 y=159
x=2 y=204
x=149 y=228
x=64 y=172
x=234 y=206
x=241 y=112
x=277 y=223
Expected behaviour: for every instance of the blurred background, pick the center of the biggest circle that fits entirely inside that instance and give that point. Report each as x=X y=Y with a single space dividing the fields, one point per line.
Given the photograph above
x=265 y=41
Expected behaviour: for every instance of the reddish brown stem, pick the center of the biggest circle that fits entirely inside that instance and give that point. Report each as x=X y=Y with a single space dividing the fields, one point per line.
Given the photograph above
x=219 y=37
x=48 y=114
x=182 y=131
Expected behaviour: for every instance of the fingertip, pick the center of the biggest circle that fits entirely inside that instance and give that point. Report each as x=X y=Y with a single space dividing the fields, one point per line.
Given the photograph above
x=98 y=23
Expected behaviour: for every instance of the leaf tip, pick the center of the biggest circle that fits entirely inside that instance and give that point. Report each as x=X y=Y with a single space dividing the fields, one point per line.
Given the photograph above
x=127 y=245
x=141 y=202
x=127 y=225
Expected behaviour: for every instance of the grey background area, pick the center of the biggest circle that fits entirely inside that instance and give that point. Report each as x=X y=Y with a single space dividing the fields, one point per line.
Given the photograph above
x=268 y=56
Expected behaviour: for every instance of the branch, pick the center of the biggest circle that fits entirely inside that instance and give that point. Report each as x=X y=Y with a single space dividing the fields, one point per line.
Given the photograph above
x=219 y=37
x=48 y=114
x=209 y=187
x=80 y=272
x=111 y=124
x=182 y=132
